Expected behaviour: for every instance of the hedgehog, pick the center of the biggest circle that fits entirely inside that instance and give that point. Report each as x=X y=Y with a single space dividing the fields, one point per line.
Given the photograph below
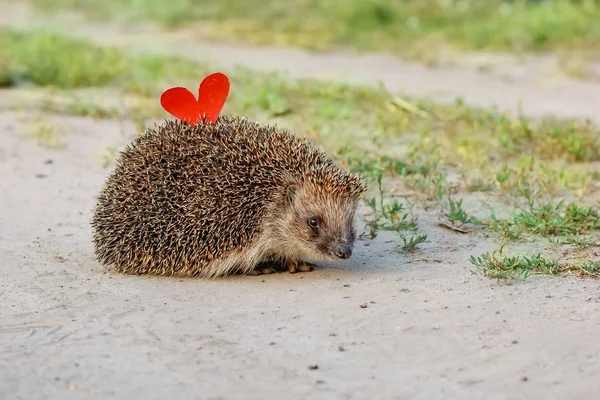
x=211 y=200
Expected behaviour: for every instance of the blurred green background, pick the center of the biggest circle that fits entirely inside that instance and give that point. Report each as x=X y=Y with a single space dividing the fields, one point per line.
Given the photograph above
x=393 y=25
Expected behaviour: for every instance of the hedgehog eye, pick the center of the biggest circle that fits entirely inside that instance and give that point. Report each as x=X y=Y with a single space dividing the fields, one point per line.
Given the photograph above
x=313 y=223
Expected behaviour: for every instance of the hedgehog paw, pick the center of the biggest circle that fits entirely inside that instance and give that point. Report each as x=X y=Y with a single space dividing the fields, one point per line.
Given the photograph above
x=302 y=266
x=264 y=269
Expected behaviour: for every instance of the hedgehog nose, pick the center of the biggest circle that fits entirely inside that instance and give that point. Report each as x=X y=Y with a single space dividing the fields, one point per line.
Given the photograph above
x=343 y=251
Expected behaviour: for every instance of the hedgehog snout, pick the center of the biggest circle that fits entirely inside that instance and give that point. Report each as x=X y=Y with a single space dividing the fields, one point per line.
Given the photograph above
x=343 y=251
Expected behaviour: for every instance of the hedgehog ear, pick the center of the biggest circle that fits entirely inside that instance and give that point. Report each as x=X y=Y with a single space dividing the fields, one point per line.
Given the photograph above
x=291 y=193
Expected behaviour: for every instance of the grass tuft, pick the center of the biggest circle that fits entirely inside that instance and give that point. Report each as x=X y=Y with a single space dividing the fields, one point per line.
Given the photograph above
x=409 y=244
x=553 y=219
x=456 y=213
x=498 y=266
x=387 y=215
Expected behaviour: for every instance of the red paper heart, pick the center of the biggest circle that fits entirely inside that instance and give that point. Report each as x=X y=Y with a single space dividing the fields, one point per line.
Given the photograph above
x=212 y=93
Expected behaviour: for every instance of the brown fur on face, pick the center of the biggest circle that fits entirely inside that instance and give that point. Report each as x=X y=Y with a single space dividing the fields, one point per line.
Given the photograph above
x=317 y=224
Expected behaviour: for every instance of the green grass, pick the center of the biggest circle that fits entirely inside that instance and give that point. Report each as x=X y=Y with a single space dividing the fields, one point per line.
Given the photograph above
x=432 y=135
x=387 y=214
x=455 y=134
x=553 y=219
x=435 y=155
x=457 y=214
x=411 y=27
x=410 y=243
x=496 y=265
x=549 y=218
x=49 y=59
x=46 y=59
x=503 y=267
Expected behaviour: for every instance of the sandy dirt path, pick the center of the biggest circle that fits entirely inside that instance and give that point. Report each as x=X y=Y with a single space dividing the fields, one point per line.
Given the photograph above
x=71 y=330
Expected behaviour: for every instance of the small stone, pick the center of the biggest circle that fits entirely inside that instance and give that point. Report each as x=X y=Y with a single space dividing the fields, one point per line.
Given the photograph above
x=313 y=367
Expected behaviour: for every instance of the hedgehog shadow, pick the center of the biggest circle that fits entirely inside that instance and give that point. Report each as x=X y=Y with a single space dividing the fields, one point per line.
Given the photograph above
x=370 y=258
